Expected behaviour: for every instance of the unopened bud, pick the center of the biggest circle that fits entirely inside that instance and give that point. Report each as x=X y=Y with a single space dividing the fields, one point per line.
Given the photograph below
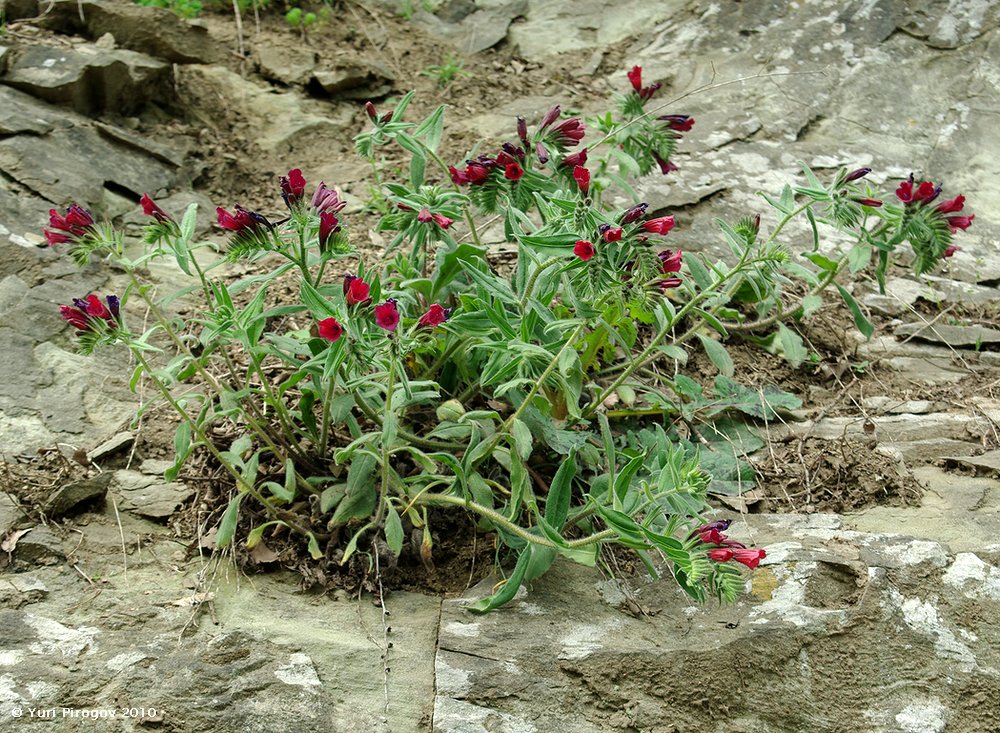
x=371 y=111
x=859 y=173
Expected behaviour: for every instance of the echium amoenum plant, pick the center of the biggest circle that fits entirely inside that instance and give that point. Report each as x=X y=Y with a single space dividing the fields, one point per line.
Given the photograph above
x=524 y=399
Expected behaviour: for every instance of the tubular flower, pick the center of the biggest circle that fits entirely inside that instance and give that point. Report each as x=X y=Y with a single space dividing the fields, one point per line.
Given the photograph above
x=635 y=213
x=149 y=208
x=356 y=290
x=665 y=165
x=435 y=316
x=513 y=151
x=327 y=199
x=660 y=225
x=442 y=221
x=387 y=315
x=86 y=313
x=959 y=222
x=635 y=77
x=925 y=191
x=330 y=329
x=951 y=205
x=950 y=250
x=873 y=203
x=75 y=224
x=241 y=221
x=670 y=261
x=522 y=131
x=542 y=153
x=582 y=177
x=424 y=217
x=584 y=249
x=857 y=175
x=328 y=226
x=293 y=187
x=678 y=123
x=568 y=132
x=474 y=173
x=551 y=116
x=572 y=161
x=610 y=234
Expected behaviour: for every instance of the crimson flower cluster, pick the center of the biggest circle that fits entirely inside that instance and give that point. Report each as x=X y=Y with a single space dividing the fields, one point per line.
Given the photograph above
x=635 y=78
x=670 y=260
x=726 y=549
x=915 y=195
x=90 y=314
x=387 y=316
x=76 y=224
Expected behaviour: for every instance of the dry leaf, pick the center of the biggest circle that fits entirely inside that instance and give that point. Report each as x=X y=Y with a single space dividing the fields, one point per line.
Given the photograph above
x=263 y=554
x=10 y=542
x=196 y=600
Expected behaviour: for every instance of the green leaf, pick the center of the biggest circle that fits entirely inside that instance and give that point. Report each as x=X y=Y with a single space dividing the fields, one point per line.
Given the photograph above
x=522 y=438
x=509 y=589
x=718 y=354
x=359 y=500
x=550 y=245
x=316 y=303
x=761 y=403
x=859 y=257
x=188 y=223
x=560 y=493
x=418 y=164
x=810 y=304
x=314 y=550
x=227 y=527
x=432 y=129
x=863 y=324
x=822 y=262
x=393 y=530
x=791 y=345
x=331 y=496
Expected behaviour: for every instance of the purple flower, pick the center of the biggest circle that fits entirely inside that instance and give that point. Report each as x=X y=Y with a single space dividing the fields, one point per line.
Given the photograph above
x=327 y=199
x=87 y=313
x=678 y=123
x=551 y=116
x=634 y=214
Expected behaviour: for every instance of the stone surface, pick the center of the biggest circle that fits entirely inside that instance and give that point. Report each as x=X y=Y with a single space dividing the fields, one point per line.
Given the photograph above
x=837 y=620
x=39 y=546
x=90 y=79
x=110 y=447
x=10 y=514
x=958 y=336
x=154 y=31
x=286 y=65
x=69 y=497
x=148 y=495
x=473 y=26
x=363 y=80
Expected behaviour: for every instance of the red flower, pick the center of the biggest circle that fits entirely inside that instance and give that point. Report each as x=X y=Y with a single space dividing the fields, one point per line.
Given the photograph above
x=712 y=537
x=241 y=220
x=583 y=249
x=670 y=261
x=873 y=203
x=959 y=222
x=582 y=177
x=85 y=313
x=569 y=132
x=661 y=225
x=551 y=116
x=572 y=161
x=925 y=191
x=387 y=315
x=749 y=557
x=679 y=123
x=442 y=221
x=635 y=213
x=330 y=329
x=149 y=208
x=513 y=171
x=951 y=205
x=610 y=234
x=474 y=173
x=75 y=224
x=635 y=77
x=670 y=282
x=424 y=217
x=356 y=290
x=665 y=165
x=293 y=187
x=950 y=250
x=328 y=226
x=435 y=316
x=722 y=554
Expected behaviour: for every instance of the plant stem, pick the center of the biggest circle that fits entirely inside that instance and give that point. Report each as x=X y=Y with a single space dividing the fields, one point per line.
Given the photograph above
x=530 y=285
x=390 y=387
x=402 y=432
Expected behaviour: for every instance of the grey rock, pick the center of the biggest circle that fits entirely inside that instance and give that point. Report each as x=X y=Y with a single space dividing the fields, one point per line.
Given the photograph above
x=18 y=9
x=69 y=497
x=21 y=589
x=40 y=546
x=890 y=428
x=829 y=610
x=90 y=79
x=154 y=31
x=10 y=514
x=352 y=80
x=286 y=65
x=4 y=58
x=148 y=496
x=110 y=447
x=956 y=336
x=472 y=26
